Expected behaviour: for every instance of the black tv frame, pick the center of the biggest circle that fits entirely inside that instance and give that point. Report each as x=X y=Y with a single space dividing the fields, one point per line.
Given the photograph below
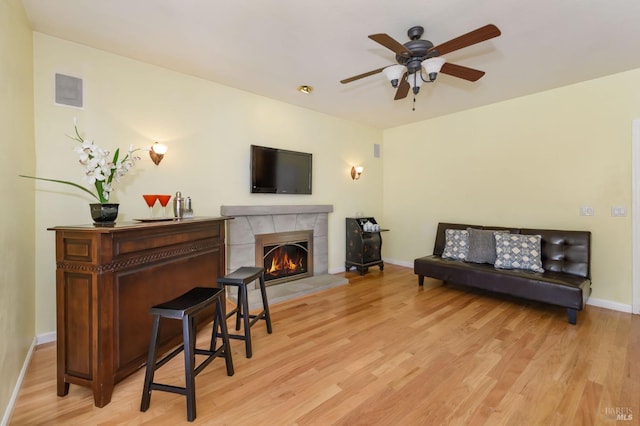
x=280 y=171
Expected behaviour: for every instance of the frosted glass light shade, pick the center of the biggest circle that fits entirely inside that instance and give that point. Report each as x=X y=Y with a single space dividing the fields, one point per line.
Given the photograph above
x=415 y=80
x=433 y=66
x=157 y=152
x=159 y=148
x=394 y=73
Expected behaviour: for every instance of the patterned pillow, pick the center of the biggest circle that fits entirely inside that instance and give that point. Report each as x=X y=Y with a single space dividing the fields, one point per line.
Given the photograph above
x=518 y=251
x=456 y=244
x=482 y=246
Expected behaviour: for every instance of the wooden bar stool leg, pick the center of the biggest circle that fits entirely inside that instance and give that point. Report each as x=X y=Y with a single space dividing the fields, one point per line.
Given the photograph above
x=220 y=316
x=151 y=364
x=239 y=307
x=265 y=303
x=245 y=317
x=221 y=307
x=189 y=361
x=217 y=319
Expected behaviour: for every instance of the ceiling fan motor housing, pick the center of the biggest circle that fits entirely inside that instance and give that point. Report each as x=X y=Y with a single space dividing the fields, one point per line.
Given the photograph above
x=419 y=52
x=413 y=65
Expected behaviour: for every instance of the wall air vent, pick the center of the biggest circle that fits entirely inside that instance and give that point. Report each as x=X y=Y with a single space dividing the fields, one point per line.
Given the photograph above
x=68 y=91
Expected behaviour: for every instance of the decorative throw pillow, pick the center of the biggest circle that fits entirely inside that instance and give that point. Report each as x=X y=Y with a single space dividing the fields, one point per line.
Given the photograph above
x=456 y=244
x=518 y=251
x=482 y=245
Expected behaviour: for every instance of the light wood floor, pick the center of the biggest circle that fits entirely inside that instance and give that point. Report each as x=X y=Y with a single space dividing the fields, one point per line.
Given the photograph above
x=383 y=351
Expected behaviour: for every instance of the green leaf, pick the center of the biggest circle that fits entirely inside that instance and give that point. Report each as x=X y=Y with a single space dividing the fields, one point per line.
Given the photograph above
x=100 y=190
x=115 y=164
x=66 y=183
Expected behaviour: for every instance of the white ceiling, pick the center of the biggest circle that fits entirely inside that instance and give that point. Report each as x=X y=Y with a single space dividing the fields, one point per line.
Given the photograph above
x=271 y=47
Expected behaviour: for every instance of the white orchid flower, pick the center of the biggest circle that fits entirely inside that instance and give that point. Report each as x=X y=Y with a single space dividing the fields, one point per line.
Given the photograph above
x=99 y=169
x=107 y=187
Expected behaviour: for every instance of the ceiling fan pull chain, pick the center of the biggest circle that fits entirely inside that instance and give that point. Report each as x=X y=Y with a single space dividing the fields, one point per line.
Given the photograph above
x=414 y=103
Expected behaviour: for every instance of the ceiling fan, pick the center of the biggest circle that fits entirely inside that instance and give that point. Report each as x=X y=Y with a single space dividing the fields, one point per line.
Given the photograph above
x=417 y=55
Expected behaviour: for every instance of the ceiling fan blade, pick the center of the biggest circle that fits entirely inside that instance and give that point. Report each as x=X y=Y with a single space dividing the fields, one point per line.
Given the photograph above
x=387 y=41
x=403 y=88
x=461 y=72
x=363 y=75
x=476 y=36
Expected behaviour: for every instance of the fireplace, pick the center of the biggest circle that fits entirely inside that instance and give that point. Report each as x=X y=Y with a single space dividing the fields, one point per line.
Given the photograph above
x=285 y=256
x=251 y=221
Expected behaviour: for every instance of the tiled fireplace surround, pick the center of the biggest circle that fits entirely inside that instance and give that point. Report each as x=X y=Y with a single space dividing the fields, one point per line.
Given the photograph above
x=249 y=221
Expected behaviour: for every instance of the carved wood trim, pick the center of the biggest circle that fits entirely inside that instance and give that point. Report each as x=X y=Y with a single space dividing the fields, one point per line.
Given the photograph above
x=200 y=246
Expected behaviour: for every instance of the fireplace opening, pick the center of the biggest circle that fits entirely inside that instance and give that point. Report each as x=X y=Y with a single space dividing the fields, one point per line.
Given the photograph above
x=285 y=260
x=285 y=256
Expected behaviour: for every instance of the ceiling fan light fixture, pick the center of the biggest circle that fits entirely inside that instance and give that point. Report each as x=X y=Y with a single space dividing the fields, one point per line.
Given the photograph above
x=394 y=73
x=433 y=66
x=417 y=57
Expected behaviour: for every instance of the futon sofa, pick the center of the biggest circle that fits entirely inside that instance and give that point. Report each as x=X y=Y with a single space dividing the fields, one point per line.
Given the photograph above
x=560 y=275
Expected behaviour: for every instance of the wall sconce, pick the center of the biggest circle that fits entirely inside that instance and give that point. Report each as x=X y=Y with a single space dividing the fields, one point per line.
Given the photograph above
x=157 y=152
x=356 y=171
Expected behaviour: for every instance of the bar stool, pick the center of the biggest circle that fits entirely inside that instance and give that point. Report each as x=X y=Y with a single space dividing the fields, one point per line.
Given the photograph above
x=185 y=308
x=240 y=278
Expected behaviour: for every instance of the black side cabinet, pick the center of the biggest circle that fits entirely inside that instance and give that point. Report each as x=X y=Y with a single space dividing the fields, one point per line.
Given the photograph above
x=363 y=247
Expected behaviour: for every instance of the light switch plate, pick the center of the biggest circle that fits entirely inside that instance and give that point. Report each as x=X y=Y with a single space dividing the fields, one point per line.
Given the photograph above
x=618 y=211
x=586 y=211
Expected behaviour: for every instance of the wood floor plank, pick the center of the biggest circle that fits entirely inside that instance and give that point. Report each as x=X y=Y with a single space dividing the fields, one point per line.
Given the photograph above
x=381 y=350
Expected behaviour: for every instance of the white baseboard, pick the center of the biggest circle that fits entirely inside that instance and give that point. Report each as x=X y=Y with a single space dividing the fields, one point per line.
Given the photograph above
x=390 y=261
x=399 y=263
x=16 y=389
x=601 y=303
x=45 y=338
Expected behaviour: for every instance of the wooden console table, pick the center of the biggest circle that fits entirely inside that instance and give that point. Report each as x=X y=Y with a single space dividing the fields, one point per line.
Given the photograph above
x=107 y=278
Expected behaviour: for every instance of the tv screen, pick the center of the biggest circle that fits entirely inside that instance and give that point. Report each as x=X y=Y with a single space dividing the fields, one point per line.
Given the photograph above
x=279 y=171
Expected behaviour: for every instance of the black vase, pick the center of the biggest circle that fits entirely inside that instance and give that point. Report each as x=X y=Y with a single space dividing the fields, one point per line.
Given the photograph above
x=104 y=214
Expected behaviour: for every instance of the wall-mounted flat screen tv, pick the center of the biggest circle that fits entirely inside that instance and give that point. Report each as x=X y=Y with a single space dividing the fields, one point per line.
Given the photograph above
x=279 y=171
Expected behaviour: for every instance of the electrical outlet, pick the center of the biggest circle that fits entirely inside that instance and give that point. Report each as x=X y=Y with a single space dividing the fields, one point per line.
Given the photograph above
x=586 y=211
x=618 y=211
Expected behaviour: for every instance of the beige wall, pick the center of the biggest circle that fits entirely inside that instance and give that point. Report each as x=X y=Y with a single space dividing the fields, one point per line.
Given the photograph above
x=16 y=227
x=528 y=162
x=208 y=128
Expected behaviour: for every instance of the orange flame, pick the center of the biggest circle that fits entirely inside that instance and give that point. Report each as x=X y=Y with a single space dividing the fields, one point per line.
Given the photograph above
x=282 y=263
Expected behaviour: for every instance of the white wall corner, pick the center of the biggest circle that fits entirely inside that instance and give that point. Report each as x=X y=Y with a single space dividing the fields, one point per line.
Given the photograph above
x=635 y=223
